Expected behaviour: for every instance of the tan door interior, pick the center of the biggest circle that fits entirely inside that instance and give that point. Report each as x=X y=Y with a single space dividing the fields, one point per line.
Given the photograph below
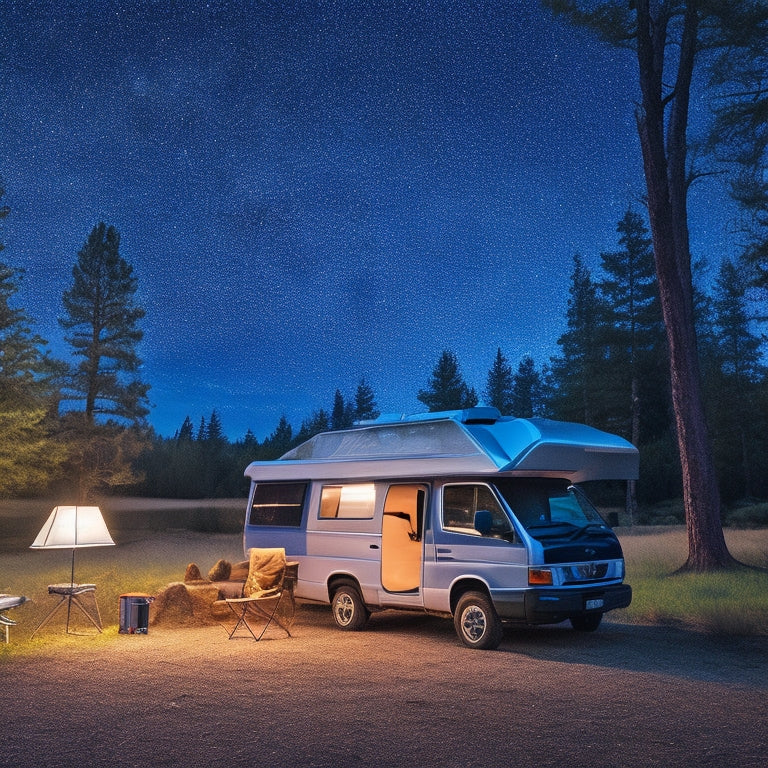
x=401 y=532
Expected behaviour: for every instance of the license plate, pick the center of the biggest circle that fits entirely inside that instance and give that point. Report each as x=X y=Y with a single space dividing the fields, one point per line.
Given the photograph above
x=594 y=604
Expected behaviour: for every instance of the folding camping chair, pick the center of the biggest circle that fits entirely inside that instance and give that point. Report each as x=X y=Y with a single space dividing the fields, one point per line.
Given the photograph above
x=267 y=595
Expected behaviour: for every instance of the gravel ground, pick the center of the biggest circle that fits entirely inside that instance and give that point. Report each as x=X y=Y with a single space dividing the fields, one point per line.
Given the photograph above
x=404 y=692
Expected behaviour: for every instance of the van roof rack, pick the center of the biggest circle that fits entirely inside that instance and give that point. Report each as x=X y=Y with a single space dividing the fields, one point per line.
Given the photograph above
x=477 y=415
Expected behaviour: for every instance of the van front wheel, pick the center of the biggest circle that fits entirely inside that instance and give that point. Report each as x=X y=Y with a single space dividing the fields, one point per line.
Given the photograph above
x=348 y=608
x=476 y=621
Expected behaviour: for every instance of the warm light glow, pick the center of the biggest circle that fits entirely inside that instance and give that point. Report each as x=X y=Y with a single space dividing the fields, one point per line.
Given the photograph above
x=73 y=527
x=362 y=494
x=357 y=500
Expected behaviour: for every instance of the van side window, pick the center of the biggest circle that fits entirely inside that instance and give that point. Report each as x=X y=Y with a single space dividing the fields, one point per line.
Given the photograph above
x=279 y=504
x=348 y=501
x=462 y=502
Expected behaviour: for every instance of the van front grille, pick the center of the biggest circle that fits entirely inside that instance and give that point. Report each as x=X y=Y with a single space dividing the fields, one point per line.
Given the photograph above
x=578 y=574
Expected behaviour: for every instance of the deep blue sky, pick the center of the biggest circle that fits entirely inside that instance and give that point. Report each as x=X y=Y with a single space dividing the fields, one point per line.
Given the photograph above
x=313 y=192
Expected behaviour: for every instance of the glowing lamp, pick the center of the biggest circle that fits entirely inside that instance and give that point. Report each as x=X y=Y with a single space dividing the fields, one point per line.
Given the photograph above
x=73 y=528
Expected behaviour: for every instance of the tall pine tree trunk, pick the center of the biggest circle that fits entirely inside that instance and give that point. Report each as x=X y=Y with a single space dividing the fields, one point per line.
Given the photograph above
x=665 y=173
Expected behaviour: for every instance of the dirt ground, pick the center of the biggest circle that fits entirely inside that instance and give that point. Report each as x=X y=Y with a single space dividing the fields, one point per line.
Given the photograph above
x=404 y=692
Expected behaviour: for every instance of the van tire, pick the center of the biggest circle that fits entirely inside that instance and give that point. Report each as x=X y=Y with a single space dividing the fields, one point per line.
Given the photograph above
x=586 y=622
x=477 y=623
x=348 y=608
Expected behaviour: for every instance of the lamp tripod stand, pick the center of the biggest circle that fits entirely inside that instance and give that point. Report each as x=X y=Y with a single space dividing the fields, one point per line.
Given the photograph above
x=71 y=595
x=72 y=528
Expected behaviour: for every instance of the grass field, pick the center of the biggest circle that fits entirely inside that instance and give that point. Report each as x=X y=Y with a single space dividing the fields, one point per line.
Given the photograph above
x=155 y=540
x=722 y=603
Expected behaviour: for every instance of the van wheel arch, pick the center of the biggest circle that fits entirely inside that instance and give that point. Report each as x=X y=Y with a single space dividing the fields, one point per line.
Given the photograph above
x=347 y=605
x=466 y=585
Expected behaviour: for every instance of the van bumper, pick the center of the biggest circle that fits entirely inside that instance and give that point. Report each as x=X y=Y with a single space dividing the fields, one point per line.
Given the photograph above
x=550 y=606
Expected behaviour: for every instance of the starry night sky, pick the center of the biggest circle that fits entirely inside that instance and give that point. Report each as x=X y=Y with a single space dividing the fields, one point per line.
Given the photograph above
x=313 y=192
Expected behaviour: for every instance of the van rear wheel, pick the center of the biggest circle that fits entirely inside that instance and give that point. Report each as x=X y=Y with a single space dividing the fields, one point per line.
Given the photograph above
x=348 y=608
x=476 y=621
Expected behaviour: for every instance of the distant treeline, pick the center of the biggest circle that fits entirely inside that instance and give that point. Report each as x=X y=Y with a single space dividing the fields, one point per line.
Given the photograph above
x=78 y=427
x=611 y=373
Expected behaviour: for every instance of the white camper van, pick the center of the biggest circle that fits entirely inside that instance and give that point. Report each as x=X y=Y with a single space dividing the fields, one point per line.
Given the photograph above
x=467 y=514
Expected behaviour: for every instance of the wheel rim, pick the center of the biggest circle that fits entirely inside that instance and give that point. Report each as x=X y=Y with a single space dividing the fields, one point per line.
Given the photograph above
x=345 y=609
x=473 y=623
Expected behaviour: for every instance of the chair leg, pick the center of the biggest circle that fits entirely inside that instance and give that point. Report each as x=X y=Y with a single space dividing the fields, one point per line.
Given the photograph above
x=253 y=607
x=241 y=620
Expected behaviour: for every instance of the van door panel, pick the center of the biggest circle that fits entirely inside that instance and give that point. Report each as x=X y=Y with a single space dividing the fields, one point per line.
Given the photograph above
x=401 y=538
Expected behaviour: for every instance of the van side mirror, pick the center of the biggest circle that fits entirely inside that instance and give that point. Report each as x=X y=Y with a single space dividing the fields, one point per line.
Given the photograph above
x=483 y=522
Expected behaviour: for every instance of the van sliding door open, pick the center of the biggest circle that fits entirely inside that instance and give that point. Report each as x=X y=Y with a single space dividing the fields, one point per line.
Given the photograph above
x=401 y=534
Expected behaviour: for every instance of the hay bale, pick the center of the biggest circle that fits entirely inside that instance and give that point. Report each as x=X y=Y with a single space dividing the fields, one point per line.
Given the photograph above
x=181 y=604
x=172 y=606
x=202 y=596
x=220 y=571
x=193 y=573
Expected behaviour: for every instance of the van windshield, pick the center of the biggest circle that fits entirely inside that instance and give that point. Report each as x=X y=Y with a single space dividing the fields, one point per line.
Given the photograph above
x=551 y=508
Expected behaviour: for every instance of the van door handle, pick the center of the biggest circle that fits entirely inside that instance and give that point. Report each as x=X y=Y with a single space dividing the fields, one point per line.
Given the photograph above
x=374 y=546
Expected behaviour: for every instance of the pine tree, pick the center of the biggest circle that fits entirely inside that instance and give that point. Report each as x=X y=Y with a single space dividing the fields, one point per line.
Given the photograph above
x=280 y=441
x=215 y=432
x=635 y=388
x=341 y=413
x=316 y=423
x=739 y=135
x=738 y=421
x=668 y=38
x=101 y=317
x=499 y=384
x=447 y=390
x=365 y=403
x=25 y=372
x=527 y=390
x=250 y=443
x=186 y=433
x=106 y=437
x=634 y=332
x=29 y=458
x=577 y=374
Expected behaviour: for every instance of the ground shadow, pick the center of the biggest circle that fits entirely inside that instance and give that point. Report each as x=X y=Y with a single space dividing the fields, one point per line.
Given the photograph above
x=670 y=651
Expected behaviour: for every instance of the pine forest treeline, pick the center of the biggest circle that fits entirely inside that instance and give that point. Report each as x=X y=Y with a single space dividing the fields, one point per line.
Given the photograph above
x=80 y=427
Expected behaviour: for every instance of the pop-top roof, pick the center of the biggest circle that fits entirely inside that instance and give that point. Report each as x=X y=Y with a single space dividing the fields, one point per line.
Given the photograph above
x=472 y=441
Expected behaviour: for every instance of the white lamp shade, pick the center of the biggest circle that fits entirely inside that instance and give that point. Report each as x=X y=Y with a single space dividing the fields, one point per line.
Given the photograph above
x=73 y=527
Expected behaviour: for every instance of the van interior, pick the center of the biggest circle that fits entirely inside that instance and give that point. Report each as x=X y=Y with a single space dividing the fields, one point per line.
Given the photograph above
x=401 y=533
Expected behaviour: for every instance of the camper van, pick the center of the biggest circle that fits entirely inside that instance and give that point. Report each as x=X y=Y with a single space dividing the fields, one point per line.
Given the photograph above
x=464 y=514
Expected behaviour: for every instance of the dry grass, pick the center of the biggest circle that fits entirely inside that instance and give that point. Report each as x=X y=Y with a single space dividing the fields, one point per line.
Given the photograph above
x=721 y=603
x=152 y=549
x=146 y=559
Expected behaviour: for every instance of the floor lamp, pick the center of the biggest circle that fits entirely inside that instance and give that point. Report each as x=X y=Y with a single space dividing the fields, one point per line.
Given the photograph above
x=73 y=528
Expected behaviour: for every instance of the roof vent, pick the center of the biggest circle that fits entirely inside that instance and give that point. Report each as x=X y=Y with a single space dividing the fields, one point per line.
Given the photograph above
x=480 y=415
